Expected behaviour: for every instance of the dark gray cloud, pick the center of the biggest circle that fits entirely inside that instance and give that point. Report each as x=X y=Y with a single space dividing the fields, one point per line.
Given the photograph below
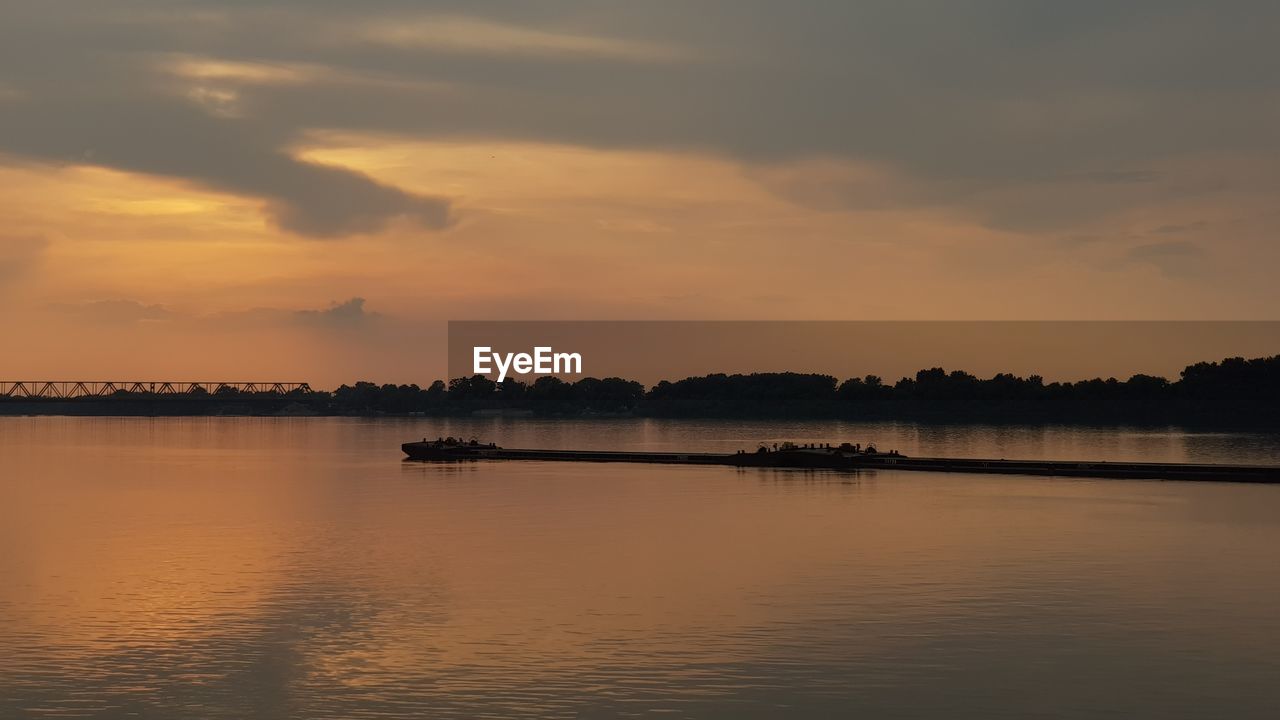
x=350 y=313
x=964 y=102
x=165 y=136
x=97 y=90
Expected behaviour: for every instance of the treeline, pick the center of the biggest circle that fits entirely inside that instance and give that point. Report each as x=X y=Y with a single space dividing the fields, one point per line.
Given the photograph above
x=545 y=396
x=1234 y=391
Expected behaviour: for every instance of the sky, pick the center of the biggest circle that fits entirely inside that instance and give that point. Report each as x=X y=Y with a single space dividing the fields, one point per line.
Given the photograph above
x=307 y=191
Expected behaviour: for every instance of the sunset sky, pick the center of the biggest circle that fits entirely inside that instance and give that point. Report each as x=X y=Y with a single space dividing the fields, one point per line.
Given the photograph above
x=300 y=190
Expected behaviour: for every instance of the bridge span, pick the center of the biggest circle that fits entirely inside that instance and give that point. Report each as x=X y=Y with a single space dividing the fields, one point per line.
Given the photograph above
x=72 y=389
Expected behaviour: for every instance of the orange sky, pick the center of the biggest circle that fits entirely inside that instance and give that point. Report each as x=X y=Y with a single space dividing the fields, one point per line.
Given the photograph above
x=192 y=200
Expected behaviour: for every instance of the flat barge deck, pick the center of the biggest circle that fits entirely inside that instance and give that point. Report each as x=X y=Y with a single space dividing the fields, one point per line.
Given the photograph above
x=833 y=458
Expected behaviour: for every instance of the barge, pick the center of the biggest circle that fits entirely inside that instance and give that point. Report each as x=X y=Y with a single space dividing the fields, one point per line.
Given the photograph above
x=851 y=457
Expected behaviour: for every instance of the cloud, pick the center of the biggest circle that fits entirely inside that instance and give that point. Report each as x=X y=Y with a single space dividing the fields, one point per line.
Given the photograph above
x=1035 y=205
x=116 y=311
x=230 y=71
x=1176 y=259
x=478 y=36
x=340 y=314
x=108 y=104
x=1180 y=228
x=321 y=201
x=162 y=136
x=1122 y=177
x=1002 y=111
x=345 y=315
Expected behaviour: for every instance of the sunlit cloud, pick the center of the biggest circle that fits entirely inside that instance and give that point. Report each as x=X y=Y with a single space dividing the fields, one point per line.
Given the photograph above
x=215 y=85
x=479 y=36
x=197 y=68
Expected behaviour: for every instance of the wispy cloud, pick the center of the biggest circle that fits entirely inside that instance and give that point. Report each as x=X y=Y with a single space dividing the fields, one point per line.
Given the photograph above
x=116 y=311
x=346 y=314
x=1176 y=259
x=1180 y=228
x=194 y=67
x=1122 y=177
x=472 y=35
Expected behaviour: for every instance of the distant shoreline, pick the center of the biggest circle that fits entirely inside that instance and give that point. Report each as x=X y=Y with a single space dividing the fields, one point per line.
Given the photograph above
x=1232 y=393
x=7 y=410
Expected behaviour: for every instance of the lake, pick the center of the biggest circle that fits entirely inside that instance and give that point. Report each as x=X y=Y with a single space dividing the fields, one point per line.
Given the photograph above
x=298 y=568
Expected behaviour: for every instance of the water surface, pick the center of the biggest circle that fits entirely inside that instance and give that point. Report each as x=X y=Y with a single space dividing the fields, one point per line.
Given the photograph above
x=273 y=568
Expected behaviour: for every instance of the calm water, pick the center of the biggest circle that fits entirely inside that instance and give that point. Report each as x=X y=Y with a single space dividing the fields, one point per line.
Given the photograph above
x=297 y=568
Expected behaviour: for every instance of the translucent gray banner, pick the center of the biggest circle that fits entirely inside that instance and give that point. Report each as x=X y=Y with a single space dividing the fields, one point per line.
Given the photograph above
x=651 y=351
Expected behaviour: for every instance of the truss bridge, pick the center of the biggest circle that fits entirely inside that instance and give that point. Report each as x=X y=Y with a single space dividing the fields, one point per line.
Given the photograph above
x=71 y=389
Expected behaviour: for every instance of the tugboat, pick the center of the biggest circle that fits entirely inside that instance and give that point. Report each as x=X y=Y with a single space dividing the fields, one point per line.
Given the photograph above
x=448 y=448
